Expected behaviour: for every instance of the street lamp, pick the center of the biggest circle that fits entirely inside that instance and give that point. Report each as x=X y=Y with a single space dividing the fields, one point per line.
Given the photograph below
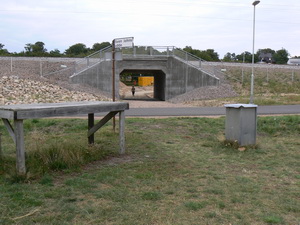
x=255 y=3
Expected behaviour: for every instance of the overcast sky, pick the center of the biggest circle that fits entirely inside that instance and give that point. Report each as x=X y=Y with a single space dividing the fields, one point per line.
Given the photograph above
x=222 y=25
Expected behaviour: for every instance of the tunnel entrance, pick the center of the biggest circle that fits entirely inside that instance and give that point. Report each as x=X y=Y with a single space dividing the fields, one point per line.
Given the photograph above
x=149 y=85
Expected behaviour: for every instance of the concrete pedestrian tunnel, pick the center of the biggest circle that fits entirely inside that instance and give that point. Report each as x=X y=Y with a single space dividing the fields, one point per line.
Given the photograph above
x=155 y=92
x=173 y=75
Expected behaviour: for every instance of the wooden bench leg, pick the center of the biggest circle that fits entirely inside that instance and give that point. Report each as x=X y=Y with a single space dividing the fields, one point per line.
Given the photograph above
x=122 y=131
x=91 y=125
x=20 y=147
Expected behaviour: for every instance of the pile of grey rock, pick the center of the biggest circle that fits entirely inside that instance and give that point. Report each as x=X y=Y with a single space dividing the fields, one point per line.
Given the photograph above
x=15 y=90
x=205 y=93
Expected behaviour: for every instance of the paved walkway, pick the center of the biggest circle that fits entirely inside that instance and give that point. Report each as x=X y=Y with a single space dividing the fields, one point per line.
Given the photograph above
x=205 y=111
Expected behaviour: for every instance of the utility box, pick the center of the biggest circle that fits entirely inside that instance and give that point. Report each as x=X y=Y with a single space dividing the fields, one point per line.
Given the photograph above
x=241 y=121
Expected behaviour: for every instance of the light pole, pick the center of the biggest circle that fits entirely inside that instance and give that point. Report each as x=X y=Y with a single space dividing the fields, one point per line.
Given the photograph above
x=255 y=3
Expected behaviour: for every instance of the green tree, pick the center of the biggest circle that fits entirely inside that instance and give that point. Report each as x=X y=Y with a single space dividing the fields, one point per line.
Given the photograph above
x=2 y=50
x=192 y=51
x=229 y=57
x=28 y=48
x=99 y=46
x=208 y=55
x=265 y=50
x=281 y=56
x=78 y=49
x=246 y=57
x=55 y=53
x=36 y=49
x=214 y=56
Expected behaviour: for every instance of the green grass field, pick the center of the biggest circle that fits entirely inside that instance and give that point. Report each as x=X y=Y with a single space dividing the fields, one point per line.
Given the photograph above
x=175 y=171
x=272 y=86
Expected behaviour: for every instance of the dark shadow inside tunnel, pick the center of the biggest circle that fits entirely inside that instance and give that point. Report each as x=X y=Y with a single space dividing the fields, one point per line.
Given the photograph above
x=149 y=85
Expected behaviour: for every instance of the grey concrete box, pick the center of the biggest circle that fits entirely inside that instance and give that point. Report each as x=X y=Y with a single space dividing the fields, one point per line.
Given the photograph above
x=240 y=126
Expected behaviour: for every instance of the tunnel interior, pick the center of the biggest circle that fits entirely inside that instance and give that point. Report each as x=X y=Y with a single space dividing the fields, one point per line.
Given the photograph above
x=158 y=88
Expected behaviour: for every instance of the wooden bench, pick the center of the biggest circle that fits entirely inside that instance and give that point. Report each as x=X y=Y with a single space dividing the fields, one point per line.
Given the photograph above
x=18 y=113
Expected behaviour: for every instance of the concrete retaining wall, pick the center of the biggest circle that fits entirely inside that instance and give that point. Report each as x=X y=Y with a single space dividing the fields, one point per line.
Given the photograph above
x=172 y=77
x=183 y=78
x=98 y=76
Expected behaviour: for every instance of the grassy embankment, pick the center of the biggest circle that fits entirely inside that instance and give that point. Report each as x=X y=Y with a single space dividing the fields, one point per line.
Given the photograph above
x=272 y=86
x=175 y=171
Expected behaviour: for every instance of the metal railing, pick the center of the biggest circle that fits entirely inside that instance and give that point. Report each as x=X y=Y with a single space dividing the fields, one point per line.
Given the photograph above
x=140 y=52
x=166 y=51
x=93 y=59
x=82 y=64
x=148 y=51
x=188 y=57
x=197 y=62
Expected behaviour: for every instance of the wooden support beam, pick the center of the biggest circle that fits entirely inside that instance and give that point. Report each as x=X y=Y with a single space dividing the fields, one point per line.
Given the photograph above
x=101 y=123
x=10 y=129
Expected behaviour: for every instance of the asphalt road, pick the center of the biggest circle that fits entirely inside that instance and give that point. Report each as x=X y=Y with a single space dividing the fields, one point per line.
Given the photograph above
x=208 y=111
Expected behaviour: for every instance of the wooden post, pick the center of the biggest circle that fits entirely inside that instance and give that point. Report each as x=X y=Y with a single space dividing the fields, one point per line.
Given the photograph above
x=20 y=147
x=113 y=80
x=122 y=131
x=90 y=126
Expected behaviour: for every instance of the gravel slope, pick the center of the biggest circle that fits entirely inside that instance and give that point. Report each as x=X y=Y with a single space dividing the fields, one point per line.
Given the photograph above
x=24 y=84
x=15 y=90
x=205 y=93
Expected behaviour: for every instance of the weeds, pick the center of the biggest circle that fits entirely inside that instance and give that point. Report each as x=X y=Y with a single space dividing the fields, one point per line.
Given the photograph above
x=49 y=147
x=153 y=196
x=195 y=205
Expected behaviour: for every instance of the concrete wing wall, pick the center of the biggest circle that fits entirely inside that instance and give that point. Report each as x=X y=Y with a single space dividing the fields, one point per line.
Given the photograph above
x=183 y=77
x=98 y=76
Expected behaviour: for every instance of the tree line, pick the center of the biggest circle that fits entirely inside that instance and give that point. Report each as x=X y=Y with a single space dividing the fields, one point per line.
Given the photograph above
x=38 y=49
x=266 y=55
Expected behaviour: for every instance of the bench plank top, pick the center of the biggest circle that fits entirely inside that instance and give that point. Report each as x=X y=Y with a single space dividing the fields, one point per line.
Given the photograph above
x=31 y=111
